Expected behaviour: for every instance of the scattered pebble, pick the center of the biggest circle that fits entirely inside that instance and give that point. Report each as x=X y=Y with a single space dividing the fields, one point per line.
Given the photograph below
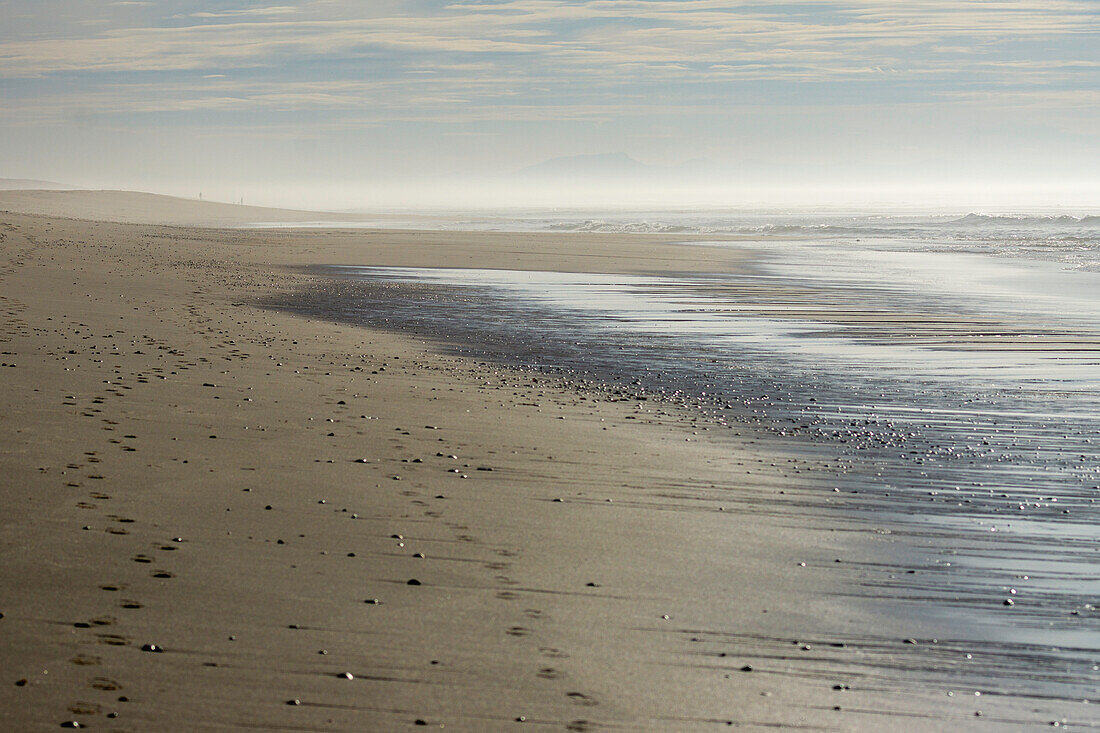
x=152 y=648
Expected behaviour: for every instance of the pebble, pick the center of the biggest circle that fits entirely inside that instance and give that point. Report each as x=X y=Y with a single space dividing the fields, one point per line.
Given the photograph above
x=747 y=668
x=1009 y=602
x=152 y=648
x=346 y=676
x=373 y=602
x=413 y=581
x=71 y=724
x=295 y=701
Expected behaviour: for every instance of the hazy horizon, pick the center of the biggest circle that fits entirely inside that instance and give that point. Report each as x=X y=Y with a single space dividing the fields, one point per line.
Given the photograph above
x=328 y=104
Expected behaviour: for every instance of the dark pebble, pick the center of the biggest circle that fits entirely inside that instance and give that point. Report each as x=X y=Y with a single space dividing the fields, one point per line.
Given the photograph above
x=420 y=722
x=747 y=668
x=413 y=581
x=295 y=701
x=151 y=648
x=1009 y=602
x=21 y=683
x=373 y=602
x=71 y=724
x=346 y=676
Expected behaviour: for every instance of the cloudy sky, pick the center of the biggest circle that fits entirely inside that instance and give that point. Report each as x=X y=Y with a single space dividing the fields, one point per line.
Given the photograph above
x=329 y=96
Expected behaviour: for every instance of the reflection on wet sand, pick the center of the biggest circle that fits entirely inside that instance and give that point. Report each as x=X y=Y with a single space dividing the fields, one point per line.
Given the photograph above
x=965 y=436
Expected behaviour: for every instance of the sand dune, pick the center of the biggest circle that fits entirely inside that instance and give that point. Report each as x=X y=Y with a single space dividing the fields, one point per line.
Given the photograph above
x=133 y=207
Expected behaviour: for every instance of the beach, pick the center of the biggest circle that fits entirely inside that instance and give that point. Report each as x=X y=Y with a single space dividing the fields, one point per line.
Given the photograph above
x=229 y=506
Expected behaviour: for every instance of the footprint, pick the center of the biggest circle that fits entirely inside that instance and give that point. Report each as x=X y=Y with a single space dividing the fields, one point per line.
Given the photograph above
x=127 y=603
x=85 y=708
x=579 y=698
x=549 y=673
x=162 y=574
x=104 y=683
x=113 y=640
x=552 y=653
x=86 y=660
x=518 y=631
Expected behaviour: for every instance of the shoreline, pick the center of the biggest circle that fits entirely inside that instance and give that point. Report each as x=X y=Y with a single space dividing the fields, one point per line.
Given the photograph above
x=97 y=314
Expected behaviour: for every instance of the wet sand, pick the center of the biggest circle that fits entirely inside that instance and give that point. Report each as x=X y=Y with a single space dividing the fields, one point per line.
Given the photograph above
x=223 y=516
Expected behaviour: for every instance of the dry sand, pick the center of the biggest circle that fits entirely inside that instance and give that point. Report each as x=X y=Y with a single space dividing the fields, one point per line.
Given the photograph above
x=252 y=495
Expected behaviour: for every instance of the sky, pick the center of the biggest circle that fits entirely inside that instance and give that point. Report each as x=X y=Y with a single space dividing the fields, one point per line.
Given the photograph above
x=337 y=104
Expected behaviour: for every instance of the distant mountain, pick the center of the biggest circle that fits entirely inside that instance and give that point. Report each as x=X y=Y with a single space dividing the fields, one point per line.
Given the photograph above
x=606 y=165
x=26 y=184
x=617 y=167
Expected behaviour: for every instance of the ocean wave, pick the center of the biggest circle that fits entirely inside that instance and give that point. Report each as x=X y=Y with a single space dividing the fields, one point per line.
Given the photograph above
x=1024 y=220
